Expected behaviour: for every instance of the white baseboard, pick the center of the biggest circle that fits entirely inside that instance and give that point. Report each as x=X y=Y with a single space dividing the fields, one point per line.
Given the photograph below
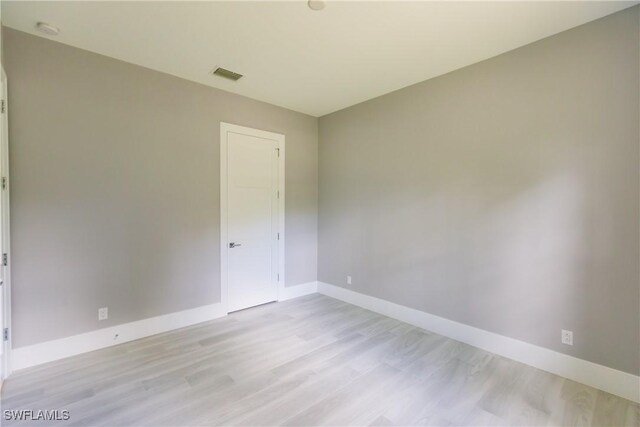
x=298 y=291
x=610 y=380
x=24 y=357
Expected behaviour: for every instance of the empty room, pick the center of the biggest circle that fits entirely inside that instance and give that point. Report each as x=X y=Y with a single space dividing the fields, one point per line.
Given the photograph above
x=320 y=213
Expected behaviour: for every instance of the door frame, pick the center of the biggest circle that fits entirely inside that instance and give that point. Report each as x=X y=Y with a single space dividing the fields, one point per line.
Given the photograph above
x=226 y=128
x=5 y=224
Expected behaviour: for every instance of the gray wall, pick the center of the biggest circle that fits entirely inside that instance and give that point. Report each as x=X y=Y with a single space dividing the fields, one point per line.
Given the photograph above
x=115 y=188
x=503 y=195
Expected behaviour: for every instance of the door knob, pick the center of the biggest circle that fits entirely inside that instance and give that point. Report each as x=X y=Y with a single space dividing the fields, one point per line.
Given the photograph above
x=234 y=245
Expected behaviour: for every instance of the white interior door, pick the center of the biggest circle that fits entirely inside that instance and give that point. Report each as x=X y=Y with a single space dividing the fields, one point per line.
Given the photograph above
x=5 y=275
x=252 y=261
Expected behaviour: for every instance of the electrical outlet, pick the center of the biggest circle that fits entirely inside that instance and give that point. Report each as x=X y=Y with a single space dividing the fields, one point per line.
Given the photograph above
x=103 y=313
x=348 y=280
x=567 y=337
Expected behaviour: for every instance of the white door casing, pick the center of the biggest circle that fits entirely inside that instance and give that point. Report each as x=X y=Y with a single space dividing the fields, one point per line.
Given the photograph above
x=5 y=271
x=251 y=216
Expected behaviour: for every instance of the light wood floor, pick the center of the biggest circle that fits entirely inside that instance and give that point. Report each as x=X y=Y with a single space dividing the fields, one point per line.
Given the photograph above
x=309 y=361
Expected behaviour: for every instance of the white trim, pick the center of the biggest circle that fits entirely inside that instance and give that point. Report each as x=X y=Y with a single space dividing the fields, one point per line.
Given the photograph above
x=281 y=215
x=610 y=380
x=24 y=357
x=298 y=291
x=5 y=244
x=224 y=238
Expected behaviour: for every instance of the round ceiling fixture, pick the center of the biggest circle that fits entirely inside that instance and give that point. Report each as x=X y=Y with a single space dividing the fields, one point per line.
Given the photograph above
x=316 y=4
x=49 y=29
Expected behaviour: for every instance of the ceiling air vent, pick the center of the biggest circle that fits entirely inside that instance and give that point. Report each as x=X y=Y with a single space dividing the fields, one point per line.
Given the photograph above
x=226 y=74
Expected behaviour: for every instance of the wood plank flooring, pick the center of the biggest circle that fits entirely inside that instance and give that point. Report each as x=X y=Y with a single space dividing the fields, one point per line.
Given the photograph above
x=309 y=361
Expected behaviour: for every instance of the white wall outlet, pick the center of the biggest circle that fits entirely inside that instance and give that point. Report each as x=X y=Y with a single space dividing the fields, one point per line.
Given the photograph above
x=103 y=313
x=348 y=280
x=567 y=337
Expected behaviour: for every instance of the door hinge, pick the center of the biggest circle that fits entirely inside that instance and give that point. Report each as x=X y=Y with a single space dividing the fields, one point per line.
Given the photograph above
x=4 y=182
x=278 y=277
x=277 y=149
x=278 y=193
x=2 y=106
x=5 y=335
x=5 y=259
x=278 y=236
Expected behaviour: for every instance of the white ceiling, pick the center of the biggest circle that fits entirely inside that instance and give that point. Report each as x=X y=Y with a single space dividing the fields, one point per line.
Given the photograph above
x=312 y=62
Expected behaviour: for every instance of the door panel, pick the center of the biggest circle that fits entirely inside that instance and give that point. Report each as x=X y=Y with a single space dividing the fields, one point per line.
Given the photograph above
x=5 y=296
x=252 y=213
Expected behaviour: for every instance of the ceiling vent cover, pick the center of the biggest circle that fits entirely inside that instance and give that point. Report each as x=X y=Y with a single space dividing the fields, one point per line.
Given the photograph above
x=226 y=74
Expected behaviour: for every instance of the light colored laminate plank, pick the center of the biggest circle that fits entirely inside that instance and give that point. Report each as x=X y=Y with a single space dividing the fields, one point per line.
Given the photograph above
x=307 y=361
